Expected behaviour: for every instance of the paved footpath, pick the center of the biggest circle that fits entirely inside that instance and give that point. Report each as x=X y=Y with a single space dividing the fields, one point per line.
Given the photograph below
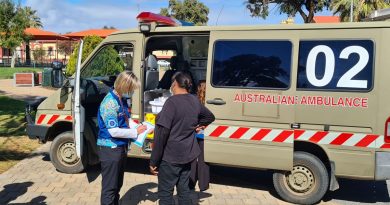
x=24 y=93
x=35 y=181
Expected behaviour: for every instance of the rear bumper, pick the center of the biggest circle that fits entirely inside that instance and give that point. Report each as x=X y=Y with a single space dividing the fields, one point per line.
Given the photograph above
x=37 y=131
x=382 y=166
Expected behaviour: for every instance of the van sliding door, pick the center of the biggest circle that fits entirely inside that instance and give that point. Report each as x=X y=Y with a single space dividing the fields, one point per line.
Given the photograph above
x=249 y=90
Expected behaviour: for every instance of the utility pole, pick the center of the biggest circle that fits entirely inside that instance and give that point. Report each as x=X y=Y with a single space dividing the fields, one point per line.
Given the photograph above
x=351 y=14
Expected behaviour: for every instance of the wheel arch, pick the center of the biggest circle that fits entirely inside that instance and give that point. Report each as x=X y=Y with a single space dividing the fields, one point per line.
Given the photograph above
x=58 y=128
x=315 y=150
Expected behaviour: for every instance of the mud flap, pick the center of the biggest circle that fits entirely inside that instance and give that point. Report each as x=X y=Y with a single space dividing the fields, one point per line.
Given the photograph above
x=334 y=184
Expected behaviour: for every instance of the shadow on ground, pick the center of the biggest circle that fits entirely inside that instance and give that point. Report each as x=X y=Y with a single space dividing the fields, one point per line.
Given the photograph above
x=360 y=191
x=15 y=190
x=6 y=155
x=142 y=192
x=350 y=190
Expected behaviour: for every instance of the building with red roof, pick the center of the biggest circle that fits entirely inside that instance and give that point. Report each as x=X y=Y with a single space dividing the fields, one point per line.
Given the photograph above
x=48 y=41
x=103 y=33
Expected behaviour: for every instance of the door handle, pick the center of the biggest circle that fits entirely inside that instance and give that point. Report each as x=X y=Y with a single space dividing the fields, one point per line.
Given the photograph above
x=216 y=101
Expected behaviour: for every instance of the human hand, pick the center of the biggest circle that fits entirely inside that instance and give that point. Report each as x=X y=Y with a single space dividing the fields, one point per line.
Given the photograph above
x=151 y=131
x=141 y=129
x=199 y=128
x=153 y=170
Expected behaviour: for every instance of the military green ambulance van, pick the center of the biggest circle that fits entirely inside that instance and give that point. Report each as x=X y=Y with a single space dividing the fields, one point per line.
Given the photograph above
x=307 y=101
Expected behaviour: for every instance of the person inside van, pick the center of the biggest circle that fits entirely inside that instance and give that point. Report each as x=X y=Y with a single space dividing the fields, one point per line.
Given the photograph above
x=165 y=81
x=176 y=66
x=175 y=146
x=114 y=135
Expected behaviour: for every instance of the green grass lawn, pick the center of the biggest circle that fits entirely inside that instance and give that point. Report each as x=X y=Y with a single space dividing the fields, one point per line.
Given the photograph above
x=14 y=144
x=12 y=121
x=8 y=73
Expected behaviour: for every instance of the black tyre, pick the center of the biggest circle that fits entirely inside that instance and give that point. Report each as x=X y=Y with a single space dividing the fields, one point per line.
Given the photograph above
x=307 y=183
x=63 y=154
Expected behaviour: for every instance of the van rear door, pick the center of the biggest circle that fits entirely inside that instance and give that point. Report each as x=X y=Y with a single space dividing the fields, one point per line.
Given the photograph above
x=249 y=89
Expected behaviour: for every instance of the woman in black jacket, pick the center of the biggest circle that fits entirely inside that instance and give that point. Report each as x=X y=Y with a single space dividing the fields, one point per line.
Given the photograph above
x=175 y=145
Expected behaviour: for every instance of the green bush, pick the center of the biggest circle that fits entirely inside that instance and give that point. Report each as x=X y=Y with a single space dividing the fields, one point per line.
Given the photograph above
x=105 y=63
x=90 y=43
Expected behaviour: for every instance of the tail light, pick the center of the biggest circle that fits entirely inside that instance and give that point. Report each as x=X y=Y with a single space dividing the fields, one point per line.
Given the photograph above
x=387 y=131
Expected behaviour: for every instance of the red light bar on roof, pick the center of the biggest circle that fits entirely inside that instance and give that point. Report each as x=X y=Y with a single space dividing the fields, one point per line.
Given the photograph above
x=148 y=17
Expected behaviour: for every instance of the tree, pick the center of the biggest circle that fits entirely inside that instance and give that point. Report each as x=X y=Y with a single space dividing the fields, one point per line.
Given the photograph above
x=13 y=21
x=107 y=60
x=34 y=21
x=38 y=54
x=90 y=43
x=65 y=47
x=362 y=8
x=306 y=8
x=105 y=63
x=12 y=25
x=191 y=11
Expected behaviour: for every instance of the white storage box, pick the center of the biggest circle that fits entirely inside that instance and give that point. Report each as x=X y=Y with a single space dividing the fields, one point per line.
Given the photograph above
x=156 y=106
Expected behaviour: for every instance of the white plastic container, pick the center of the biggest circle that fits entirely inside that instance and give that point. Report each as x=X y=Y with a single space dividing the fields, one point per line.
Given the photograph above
x=156 y=106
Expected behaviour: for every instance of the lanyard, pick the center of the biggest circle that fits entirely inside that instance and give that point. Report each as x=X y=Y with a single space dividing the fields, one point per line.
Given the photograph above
x=123 y=108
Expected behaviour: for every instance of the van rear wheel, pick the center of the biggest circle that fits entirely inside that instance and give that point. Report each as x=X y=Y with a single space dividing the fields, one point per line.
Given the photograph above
x=63 y=154
x=306 y=183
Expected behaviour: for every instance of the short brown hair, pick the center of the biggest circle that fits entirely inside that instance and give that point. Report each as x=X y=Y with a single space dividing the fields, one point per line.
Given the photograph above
x=126 y=82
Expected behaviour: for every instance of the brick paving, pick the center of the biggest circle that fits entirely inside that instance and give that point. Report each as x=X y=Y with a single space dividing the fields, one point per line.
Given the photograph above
x=34 y=180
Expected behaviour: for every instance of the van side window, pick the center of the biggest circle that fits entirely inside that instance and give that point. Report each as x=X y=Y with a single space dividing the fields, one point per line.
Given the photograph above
x=335 y=65
x=252 y=64
x=109 y=61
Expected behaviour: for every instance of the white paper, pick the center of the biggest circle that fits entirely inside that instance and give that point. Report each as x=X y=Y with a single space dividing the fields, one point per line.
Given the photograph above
x=141 y=137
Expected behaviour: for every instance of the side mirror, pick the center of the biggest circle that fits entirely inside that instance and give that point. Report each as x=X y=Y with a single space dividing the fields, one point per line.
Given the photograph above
x=69 y=84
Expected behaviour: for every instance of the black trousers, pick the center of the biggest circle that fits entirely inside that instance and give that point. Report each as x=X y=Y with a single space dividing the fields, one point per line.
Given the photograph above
x=112 y=162
x=200 y=171
x=169 y=176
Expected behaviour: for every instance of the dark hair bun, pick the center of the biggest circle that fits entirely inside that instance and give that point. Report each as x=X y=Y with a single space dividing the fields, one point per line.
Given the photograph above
x=183 y=80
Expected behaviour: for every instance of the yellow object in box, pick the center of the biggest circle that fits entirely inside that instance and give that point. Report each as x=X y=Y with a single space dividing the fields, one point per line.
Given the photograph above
x=151 y=118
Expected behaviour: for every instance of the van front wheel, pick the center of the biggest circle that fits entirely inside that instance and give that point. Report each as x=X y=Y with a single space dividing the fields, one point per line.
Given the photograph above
x=306 y=183
x=63 y=154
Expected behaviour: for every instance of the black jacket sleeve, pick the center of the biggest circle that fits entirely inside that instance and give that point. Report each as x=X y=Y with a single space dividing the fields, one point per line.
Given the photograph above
x=161 y=135
x=206 y=117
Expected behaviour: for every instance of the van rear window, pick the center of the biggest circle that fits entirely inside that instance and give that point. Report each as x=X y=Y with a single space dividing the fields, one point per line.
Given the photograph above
x=335 y=65
x=252 y=64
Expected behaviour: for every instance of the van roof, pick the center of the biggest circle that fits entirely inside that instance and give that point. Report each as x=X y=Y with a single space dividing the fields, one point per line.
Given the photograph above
x=384 y=24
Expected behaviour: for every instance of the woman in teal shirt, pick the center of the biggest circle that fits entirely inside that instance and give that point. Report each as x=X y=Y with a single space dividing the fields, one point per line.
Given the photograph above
x=115 y=132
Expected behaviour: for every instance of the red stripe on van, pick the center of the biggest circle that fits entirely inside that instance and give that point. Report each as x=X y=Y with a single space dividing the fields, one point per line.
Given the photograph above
x=367 y=140
x=239 y=133
x=69 y=118
x=385 y=146
x=261 y=134
x=343 y=137
x=298 y=133
x=318 y=136
x=283 y=136
x=40 y=119
x=218 y=131
x=52 y=119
